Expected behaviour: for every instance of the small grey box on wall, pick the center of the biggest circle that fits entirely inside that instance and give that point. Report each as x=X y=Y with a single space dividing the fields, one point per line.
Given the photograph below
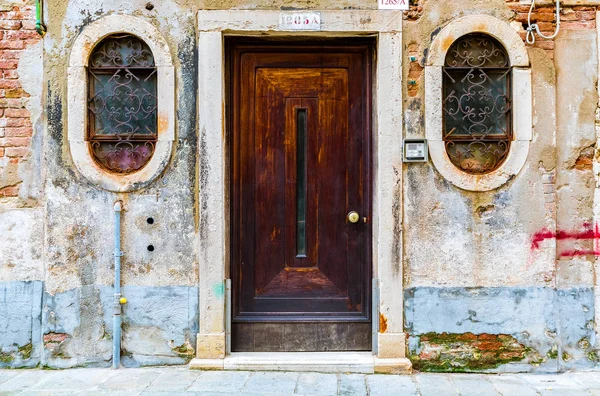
x=415 y=150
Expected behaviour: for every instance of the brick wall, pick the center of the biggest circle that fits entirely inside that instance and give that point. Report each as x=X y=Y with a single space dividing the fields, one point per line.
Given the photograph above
x=573 y=17
x=17 y=32
x=579 y=17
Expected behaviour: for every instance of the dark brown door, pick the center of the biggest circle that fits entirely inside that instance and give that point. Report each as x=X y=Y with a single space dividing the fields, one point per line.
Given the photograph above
x=301 y=145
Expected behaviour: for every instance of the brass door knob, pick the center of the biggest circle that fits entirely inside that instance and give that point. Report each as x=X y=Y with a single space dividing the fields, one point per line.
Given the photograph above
x=353 y=217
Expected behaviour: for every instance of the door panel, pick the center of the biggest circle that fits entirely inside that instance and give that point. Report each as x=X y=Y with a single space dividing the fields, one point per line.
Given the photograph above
x=300 y=150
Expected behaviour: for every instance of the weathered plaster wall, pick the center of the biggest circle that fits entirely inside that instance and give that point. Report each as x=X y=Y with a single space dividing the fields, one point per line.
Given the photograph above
x=503 y=280
x=21 y=179
x=160 y=318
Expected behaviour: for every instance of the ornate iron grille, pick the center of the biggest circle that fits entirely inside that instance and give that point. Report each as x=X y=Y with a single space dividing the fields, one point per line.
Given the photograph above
x=122 y=103
x=477 y=104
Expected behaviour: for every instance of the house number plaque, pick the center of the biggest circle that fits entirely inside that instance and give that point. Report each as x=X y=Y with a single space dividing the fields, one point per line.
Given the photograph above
x=300 y=21
x=393 y=5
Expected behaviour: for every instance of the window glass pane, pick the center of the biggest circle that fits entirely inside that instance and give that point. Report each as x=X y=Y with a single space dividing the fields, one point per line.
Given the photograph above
x=477 y=155
x=122 y=105
x=124 y=102
x=122 y=156
x=476 y=104
x=121 y=51
x=477 y=50
x=301 y=183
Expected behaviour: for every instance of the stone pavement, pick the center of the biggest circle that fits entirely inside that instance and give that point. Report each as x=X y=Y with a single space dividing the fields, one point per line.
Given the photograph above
x=182 y=381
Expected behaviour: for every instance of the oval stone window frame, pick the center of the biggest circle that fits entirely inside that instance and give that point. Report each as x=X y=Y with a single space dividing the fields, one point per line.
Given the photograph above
x=521 y=102
x=77 y=102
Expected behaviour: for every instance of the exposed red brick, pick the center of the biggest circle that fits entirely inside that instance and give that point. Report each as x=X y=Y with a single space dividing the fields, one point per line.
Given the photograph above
x=12 y=44
x=542 y=17
x=21 y=35
x=9 y=84
x=15 y=103
x=11 y=191
x=10 y=74
x=519 y=8
x=55 y=337
x=487 y=337
x=8 y=64
x=578 y=25
x=584 y=161
x=466 y=337
x=10 y=25
x=584 y=8
x=16 y=151
x=28 y=25
x=487 y=345
x=10 y=54
x=12 y=15
x=14 y=141
x=18 y=131
x=16 y=113
x=15 y=122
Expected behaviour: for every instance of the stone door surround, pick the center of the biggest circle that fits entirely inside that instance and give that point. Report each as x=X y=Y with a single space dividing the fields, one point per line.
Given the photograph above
x=213 y=27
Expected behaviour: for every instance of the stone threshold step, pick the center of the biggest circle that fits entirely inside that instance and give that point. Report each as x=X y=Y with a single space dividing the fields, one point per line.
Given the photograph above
x=321 y=362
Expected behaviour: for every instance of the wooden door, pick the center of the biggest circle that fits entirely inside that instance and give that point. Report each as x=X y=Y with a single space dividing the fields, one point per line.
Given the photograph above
x=301 y=152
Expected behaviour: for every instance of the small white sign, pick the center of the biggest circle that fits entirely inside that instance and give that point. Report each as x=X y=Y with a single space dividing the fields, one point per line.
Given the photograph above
x=300 y=21
x=415 y=150
x=393 y=4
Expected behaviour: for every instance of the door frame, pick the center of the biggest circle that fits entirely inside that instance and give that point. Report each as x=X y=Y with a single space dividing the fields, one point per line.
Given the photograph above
x=214 y=166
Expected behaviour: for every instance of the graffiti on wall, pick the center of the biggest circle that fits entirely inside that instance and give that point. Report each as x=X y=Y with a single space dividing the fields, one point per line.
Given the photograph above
x=588 y=232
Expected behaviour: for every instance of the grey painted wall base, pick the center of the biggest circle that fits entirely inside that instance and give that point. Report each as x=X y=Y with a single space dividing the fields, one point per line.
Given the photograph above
x=73 y=328
x=20 y=323
x=555 y=325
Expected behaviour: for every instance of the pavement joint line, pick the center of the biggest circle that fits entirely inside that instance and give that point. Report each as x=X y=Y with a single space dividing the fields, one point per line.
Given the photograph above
x=414 y=381
x=197 y=379
x=187 y=388
x=453 y=384
x=246 y=382
x=296 y=386
x=366 y=377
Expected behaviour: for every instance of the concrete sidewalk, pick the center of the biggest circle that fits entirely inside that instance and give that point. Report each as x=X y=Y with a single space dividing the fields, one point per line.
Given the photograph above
x=182 y=381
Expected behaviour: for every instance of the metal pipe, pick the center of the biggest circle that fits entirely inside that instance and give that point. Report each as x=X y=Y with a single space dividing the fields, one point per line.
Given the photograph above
x=117 y=286
x=39 y=27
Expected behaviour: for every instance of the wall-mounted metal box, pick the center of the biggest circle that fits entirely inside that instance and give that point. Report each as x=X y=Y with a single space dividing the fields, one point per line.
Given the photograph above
x=415 y=150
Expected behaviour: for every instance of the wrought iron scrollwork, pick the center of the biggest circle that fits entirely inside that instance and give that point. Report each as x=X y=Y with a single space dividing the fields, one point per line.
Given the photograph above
x=122 y=103
x=476 y=103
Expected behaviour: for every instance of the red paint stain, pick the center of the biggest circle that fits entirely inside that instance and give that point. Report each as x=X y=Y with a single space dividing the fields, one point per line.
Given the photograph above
x=586 y=233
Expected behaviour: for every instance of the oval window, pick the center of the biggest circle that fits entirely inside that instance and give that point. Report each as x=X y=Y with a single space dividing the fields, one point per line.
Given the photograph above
x=477 y=125
x=122 y=104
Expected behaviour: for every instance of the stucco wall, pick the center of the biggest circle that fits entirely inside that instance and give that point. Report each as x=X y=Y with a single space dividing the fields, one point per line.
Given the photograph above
x=506 y=274
x=510 y=268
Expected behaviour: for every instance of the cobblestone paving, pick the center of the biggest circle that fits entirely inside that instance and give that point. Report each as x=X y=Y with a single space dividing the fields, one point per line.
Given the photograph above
x=178 y=381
